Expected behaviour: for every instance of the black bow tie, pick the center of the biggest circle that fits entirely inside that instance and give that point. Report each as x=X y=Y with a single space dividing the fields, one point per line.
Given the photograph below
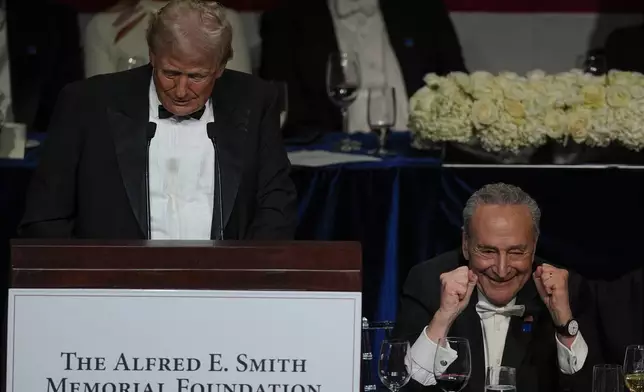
x=165 y=114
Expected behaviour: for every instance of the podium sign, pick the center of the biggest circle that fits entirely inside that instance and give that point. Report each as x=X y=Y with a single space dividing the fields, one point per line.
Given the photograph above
x=103 y=340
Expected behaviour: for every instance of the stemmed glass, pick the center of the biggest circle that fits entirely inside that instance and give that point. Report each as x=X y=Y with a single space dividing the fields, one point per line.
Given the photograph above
x=343 y=82
x=607 y=378
x=452 y=376
x=381 y=114
x=634 y=368
x=394 y=364
x=500 y=378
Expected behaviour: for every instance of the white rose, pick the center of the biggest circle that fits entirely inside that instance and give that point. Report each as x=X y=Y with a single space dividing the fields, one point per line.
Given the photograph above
x=555 y=122
x=579 y=124
x=618 y=96
x=594 y=95
x=484 y=113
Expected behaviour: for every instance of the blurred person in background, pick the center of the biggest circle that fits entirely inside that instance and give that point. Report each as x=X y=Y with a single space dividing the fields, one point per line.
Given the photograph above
x=624 y=49
x=397 y=43
x=115 y=39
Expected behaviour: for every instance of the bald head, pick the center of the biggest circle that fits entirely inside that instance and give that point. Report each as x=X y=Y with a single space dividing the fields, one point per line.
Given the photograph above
x=191 y=29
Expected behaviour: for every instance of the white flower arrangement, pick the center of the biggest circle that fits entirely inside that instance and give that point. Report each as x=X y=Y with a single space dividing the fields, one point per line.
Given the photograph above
x=508 y=112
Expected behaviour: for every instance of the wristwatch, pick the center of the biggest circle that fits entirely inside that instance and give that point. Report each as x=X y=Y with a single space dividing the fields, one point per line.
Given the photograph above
x=571 y=328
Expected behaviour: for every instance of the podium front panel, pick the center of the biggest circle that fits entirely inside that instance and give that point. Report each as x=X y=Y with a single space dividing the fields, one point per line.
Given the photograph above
x=183 y=340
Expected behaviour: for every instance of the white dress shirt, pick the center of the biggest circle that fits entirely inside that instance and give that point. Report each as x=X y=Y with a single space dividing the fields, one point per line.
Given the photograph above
x=182 y=168
x=495 y=329
x=360 y=28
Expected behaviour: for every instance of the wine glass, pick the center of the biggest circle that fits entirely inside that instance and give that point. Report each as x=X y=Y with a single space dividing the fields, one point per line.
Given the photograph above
x=607 y=378
x=394 y=364
x=452 y=376
x=500 y=378
x=634 y=368
x=381 y=114
x=343 y=82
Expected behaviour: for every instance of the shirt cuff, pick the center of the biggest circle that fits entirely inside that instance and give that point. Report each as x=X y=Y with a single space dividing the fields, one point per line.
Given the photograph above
x=572 y=359
x=423 y=354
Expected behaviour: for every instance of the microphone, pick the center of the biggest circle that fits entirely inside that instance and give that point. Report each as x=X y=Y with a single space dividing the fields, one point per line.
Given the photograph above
x=211 y=135
x=150 y=131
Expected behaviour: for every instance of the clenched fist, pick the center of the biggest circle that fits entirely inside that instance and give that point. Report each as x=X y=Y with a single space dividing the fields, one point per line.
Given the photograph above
x=552 y=285
x=456 y=289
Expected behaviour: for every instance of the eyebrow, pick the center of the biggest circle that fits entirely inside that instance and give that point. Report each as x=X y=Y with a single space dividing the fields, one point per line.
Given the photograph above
x=521 y=247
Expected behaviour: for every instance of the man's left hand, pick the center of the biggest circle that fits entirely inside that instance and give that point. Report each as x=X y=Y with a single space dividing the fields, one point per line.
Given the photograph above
x=552 y=285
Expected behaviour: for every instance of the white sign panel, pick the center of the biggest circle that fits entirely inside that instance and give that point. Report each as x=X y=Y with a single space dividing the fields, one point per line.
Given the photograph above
x=182 y=341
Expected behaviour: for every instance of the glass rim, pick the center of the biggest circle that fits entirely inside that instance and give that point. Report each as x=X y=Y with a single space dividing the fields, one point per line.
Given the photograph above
x=607 y=366
x=453 y=339
x=503 y=368
x=637 y=346
x=395 y=341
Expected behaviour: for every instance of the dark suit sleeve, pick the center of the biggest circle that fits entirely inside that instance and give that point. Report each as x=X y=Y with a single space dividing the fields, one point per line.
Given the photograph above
x=584 y=310
x=51 y=198
x=415 y=312
x=450 y=55
x=276 y=212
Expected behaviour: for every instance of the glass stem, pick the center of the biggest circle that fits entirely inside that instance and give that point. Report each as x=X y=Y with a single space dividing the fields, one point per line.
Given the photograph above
x=382 y=140
x=345 y=120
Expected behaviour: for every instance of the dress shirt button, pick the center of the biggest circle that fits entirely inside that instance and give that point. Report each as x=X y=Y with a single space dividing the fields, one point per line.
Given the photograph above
x=443 y=363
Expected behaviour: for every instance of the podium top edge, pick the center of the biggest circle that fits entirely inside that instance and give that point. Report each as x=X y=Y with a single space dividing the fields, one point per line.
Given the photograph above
x=64 y=243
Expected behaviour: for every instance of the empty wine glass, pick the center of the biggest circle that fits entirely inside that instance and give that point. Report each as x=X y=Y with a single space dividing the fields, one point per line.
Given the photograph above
x=607 y=378
x=393 y=366
x=452 y=375
x=634 y=368
x=381 y=114
x=500 y=378
x=343 y=82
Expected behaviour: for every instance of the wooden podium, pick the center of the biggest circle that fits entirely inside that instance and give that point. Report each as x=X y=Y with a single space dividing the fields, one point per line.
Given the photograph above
x=288 y=274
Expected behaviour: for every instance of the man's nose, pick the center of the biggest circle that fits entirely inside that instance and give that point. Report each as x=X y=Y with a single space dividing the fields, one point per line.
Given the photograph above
x=181 y=90
x=502 y=268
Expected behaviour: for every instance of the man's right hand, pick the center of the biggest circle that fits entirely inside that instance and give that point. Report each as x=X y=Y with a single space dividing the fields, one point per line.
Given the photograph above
x=457 y=287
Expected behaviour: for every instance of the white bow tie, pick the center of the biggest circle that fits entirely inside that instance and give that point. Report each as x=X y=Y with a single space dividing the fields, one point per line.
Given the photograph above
x=486 y=310
x=346 y=8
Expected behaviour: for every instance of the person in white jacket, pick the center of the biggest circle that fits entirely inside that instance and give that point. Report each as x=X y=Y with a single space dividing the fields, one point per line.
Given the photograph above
x=115 y=39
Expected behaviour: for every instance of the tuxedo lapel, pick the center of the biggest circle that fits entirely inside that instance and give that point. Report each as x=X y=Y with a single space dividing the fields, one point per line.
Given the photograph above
x=518 y=339
x=127 y=120
x=230 y=125
x=472 y=331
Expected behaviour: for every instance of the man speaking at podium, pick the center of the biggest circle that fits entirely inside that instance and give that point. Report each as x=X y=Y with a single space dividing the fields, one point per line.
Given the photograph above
x=196 y=145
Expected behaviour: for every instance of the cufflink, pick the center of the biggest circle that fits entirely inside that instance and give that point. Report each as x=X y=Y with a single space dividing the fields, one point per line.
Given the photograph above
x=443 y=363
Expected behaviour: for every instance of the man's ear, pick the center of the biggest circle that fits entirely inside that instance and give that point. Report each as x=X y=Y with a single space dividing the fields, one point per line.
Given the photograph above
x=465 y=245
x=152 y=59
x=219 y=72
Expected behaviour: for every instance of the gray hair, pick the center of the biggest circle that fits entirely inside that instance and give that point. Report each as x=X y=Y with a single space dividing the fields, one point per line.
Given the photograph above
x=192 y=25
x=500 y=194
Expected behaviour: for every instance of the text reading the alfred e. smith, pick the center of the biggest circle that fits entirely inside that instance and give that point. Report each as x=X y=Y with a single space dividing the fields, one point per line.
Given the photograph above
x=185 y=368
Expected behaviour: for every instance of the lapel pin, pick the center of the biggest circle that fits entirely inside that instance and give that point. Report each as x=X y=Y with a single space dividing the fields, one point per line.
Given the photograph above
x=409 y=42
x=527 y=324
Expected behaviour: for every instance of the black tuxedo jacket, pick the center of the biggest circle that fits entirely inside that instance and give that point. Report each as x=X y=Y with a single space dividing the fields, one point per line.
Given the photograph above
x=90 y=182
x=298 y=37
x=533 y=354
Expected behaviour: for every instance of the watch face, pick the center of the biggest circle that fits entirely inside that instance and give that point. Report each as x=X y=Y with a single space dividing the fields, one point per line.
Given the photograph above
x=573 y=327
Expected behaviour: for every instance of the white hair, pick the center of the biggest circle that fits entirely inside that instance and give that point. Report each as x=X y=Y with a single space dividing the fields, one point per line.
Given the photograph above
x=192 y=27
x=500 y=194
